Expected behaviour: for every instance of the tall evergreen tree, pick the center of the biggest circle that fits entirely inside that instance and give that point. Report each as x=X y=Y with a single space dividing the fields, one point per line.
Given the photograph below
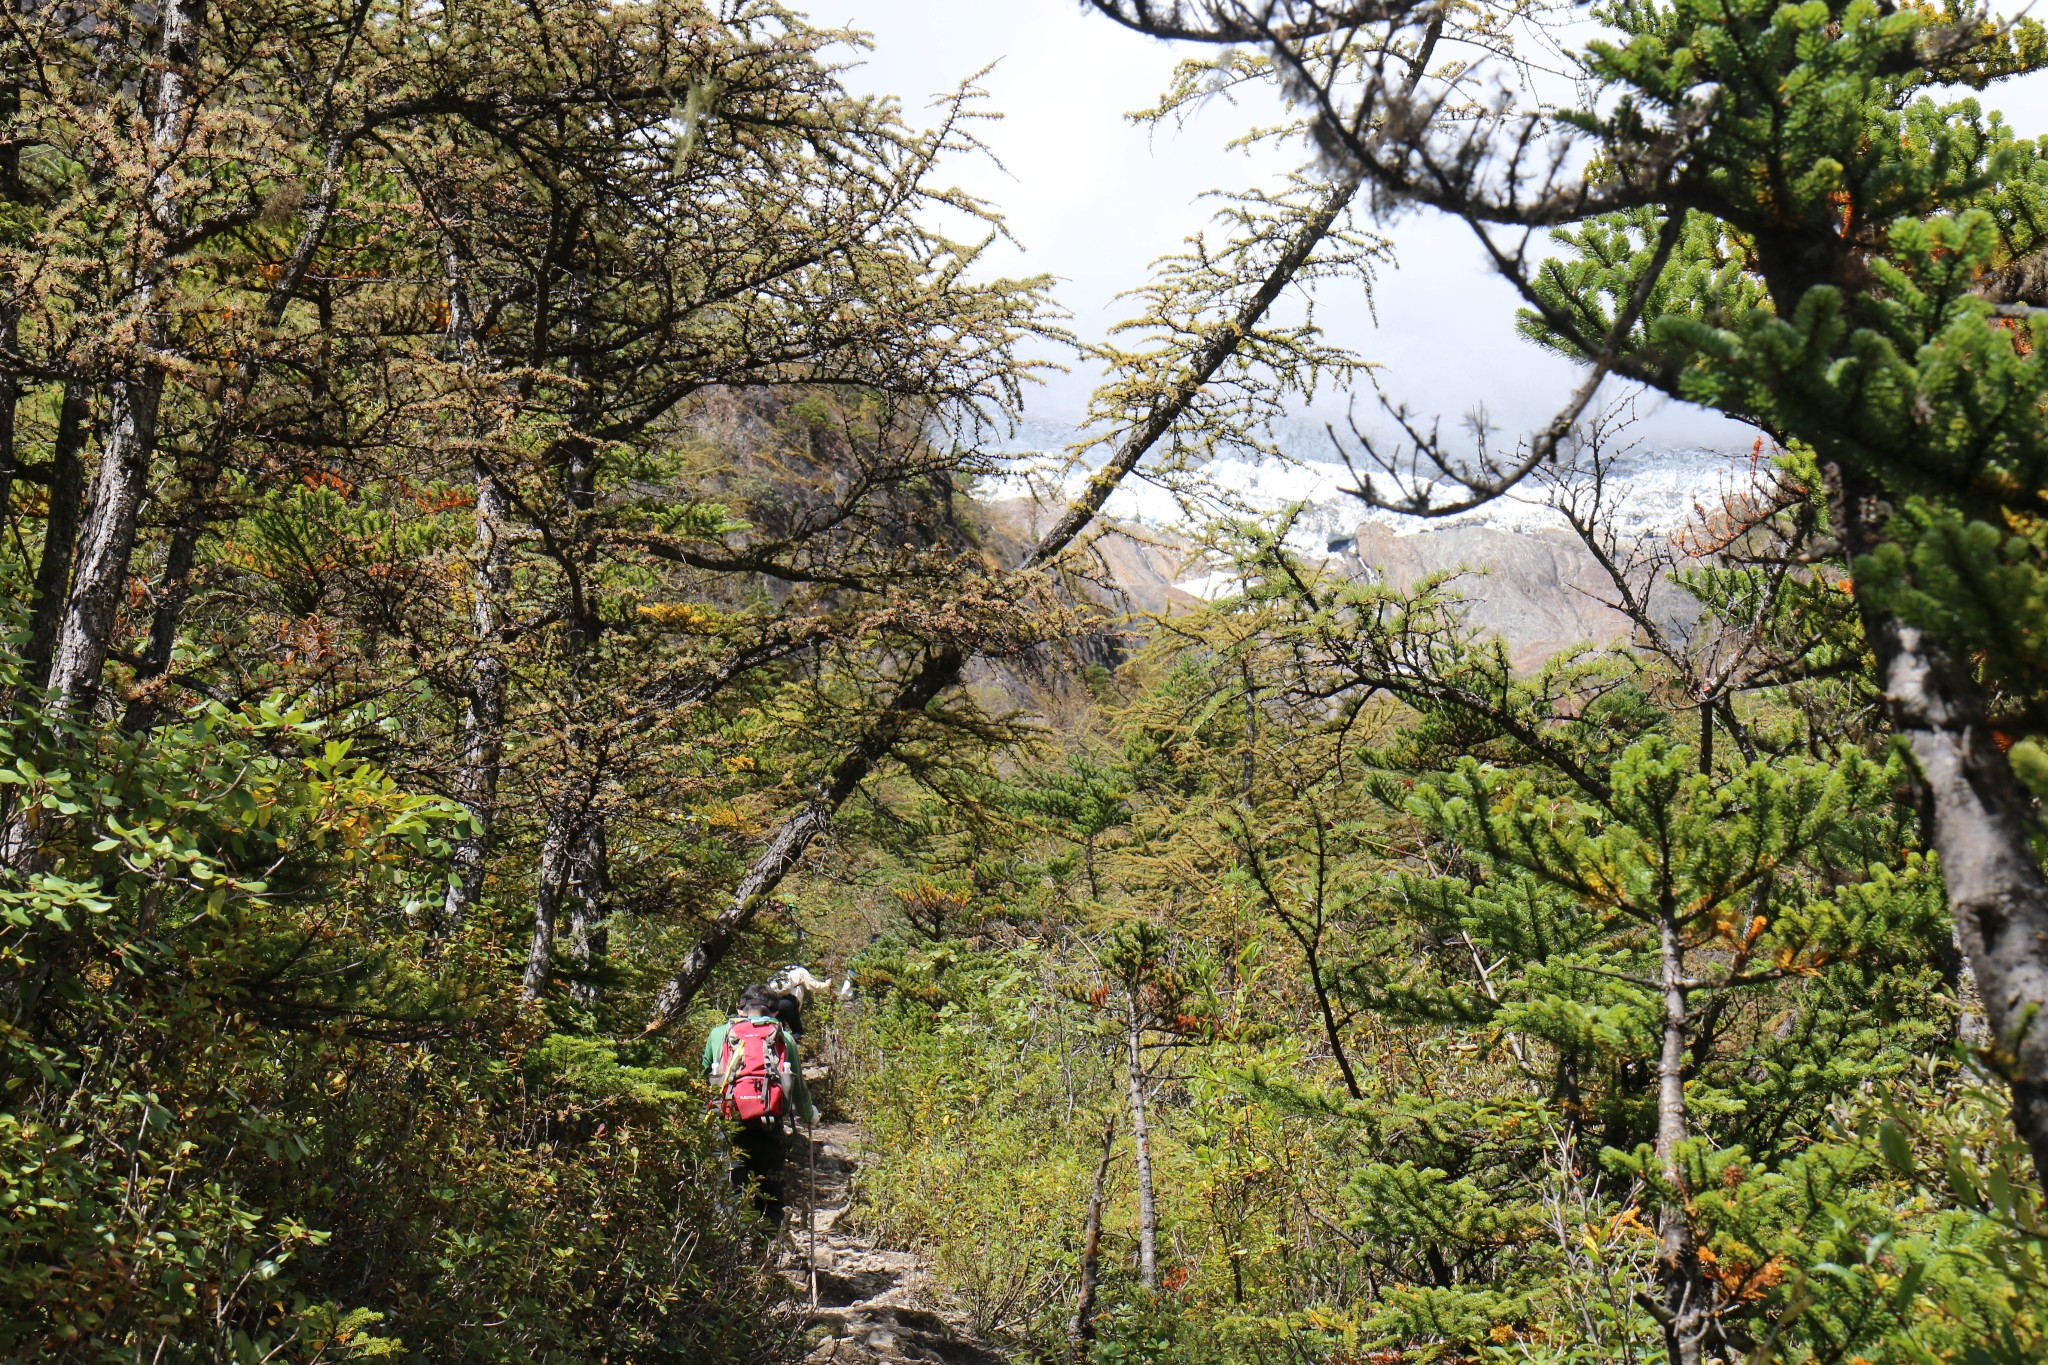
x=1783 y=222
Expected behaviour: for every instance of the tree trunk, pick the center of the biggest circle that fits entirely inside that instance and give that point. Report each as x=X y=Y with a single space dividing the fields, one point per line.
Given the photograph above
x=10 y=395
x=571 y=825
x=154 y=665
x=566 y=854
x=589 y=908
x=10 y=382
x=19 y=827
x=1311 y=948
x=1982 y=828
x=1683 y=1309
x=1081 y=1327
x=128 y=447
x=106 y=544
x=60 y=534
x=550 y=882
x=574 y=871
x=786 y=846
x=1141 y=1154
x=483 y=716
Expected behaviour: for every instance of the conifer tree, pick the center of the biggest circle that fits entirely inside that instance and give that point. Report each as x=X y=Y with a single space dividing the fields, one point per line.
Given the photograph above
x=1782 y=221
x=1614 y=907
x=541 y=397
x=1210 y=371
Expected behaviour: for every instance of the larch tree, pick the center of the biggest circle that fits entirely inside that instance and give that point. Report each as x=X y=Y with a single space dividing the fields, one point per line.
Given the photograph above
x=1213 y=365
x=563 y=408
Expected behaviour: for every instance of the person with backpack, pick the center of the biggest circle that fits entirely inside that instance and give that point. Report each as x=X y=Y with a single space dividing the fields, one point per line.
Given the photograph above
x=757 y=1079
x=790 y=1010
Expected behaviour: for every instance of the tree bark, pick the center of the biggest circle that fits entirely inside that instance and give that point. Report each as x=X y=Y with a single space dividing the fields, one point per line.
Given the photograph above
x=1684 y=1310
x=106 y=544
x=128 y=446
x=572 y=872
x=153 y=666
x=1081 y=1327
x=942 y=669
x=60 y=533
x=551 y=884
x=483 y=715
x=589 y=908
x=1685 y=1306
x=1982 y=827
x=10 y=398
x=10 y=381
x=1141 y=1154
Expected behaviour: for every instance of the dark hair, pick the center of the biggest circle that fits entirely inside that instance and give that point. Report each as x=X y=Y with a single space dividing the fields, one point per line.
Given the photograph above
x=757 y=1000
x=790 y=1010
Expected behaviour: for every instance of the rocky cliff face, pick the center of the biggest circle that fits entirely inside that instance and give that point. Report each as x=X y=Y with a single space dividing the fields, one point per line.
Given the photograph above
x=1521 y=573
x=1540 y=591
x=1133 y=567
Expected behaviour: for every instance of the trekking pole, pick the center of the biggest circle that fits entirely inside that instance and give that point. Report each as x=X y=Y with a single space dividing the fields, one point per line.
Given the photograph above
x=811 y=1207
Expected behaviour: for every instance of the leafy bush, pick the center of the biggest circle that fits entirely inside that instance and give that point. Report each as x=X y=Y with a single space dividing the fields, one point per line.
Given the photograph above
x=253 y=1113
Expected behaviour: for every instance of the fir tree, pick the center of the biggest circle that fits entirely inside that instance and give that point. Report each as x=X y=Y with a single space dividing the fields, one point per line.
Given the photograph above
x=1783 y=223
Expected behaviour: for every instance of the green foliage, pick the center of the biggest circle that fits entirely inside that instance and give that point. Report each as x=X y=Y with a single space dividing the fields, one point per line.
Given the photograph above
x=1618 y=997
x=964 y=1081
x=1408 y=1097
x=245 y=1117
x=1847 y=237
x=1470 y=1008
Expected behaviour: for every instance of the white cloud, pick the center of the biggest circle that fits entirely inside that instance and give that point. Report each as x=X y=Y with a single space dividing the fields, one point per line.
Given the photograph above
x=1093 y=198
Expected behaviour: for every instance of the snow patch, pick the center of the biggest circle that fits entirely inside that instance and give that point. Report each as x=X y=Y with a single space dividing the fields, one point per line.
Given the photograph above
x=1646 y=492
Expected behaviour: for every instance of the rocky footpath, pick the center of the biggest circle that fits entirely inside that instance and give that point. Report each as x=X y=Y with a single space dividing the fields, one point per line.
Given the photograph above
x=874 y=1304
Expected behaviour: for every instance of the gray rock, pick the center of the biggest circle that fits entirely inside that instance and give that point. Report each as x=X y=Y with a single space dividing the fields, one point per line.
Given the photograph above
x=876 y=1305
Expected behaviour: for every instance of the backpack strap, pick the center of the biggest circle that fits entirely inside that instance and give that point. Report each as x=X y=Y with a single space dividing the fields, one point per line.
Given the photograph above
x=728 y=1056
x=735 y=1055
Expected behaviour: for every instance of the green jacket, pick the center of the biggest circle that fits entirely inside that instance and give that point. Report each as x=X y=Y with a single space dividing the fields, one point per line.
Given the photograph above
x=799 y=1094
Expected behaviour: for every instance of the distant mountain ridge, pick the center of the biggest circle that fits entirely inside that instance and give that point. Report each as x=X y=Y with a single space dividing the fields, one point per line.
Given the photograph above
x=1527 y=576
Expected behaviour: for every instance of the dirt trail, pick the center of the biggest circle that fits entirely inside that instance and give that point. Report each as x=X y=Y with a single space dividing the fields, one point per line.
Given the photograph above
x=875 y=1304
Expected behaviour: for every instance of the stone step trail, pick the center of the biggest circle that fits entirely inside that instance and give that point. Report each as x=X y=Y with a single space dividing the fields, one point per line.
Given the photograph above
x=876 y=1305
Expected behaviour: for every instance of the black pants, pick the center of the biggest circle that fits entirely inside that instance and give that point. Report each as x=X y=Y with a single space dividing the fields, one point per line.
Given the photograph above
x=762 y=1155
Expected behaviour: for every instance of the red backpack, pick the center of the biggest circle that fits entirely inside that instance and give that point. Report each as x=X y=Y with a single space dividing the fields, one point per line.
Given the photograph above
x=753 y=1071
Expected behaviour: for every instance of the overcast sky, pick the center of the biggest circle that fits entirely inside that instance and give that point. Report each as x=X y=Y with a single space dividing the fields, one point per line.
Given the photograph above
x=1092 y=199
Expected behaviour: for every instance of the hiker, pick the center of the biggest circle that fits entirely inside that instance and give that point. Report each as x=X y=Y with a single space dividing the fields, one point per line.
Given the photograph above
x=790 y=1010
x=754 y=1065
x=792 y=987
x=796 y=980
